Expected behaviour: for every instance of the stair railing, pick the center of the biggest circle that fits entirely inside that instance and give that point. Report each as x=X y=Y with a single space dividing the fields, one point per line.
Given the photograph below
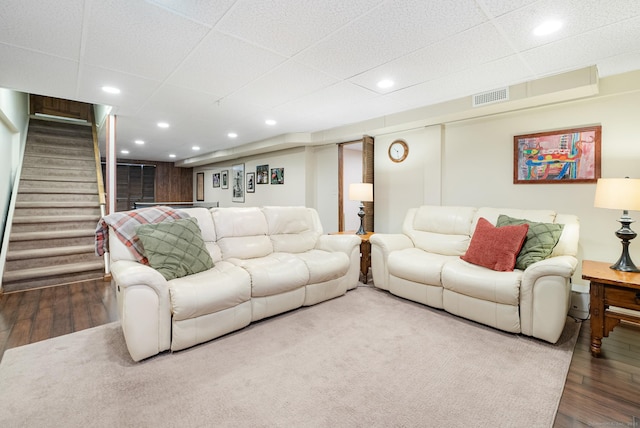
x=101 y=193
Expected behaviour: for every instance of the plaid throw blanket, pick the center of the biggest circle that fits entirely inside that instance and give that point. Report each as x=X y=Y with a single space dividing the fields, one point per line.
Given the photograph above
x=124 y=225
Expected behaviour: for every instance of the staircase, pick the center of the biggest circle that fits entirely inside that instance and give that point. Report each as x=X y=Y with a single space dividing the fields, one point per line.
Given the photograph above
x=57 y=208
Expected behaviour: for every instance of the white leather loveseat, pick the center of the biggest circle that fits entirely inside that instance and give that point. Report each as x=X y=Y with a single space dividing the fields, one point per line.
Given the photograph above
x=424 y=264
x=265 y=261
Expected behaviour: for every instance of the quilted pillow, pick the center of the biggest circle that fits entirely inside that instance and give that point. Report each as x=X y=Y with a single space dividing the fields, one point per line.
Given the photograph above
x=175 y=248
x=495 y=248
x=541 y=238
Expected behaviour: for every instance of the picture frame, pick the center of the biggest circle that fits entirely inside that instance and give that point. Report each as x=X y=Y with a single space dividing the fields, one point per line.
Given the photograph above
x=200 y=186
x=277 y=175
x=262 y=174
x=557 y=157
x=237 y=182
x=224 y=179
x=251 y=182
x=216 y=179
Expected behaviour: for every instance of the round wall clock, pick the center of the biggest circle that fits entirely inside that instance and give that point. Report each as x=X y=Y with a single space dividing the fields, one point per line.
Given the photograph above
x=398 y=150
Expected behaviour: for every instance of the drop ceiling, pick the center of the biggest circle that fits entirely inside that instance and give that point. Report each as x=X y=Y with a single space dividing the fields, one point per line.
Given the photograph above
x=209 y=68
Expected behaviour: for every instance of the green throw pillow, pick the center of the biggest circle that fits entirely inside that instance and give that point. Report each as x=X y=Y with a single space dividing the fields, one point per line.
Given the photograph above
x=175 y=248
x=541 y=238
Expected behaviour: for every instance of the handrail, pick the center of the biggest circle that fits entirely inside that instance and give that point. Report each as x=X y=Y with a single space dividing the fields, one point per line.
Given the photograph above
x=102 y=199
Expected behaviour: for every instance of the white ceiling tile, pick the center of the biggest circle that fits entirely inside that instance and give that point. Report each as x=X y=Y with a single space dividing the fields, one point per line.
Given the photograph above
x=389 y=32
x=222 y=64
x=500 y=7
x=287 y=82
x=619 y=64
x=44 y=26
x=475 y=46
x=578 y=16
x=134 y=90
x=585 y=49
x=36 y=70
x=207 y=12
x=139 y=38
x=286 y=26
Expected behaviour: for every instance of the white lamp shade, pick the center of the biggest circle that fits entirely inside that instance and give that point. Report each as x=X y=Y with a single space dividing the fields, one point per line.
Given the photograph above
x=361 y=192
x=618 y=193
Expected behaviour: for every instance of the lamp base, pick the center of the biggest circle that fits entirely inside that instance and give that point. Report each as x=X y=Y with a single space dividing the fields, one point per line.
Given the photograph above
x=361 y=231
x=624 y=263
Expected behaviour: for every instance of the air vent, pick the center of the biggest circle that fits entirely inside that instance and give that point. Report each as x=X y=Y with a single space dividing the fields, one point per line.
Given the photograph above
x=491 y=97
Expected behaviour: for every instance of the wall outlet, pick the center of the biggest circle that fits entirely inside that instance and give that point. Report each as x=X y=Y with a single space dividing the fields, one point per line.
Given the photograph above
x=579 y=305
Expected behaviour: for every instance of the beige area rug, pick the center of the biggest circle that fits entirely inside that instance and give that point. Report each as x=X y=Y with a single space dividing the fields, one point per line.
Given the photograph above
x=367 y=359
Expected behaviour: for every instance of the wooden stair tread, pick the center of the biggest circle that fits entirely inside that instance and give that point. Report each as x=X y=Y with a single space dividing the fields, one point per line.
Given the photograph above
x=33 y=236
x=46 y=190
x=49 y=252
x=34 y=219
x=56 y=204
x=58 y=178
x=48 y=271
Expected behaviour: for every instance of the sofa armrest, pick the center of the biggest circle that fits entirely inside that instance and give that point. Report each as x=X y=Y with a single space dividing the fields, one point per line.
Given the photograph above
x=333 y=243
x=545 y=293
x=144 y=307
x=382 y=244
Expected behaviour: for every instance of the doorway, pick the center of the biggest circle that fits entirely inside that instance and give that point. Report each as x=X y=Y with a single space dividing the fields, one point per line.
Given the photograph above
x=355 y=165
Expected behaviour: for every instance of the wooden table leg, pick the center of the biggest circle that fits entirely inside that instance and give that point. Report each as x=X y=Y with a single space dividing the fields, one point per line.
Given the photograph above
x=597 y=317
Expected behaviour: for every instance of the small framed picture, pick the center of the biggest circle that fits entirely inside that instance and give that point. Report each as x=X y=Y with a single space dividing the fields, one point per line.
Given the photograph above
x=263 y=174
x=277 y=175
x=224 y=179
x=251 y=182
x=237 y=180
x=216 y=179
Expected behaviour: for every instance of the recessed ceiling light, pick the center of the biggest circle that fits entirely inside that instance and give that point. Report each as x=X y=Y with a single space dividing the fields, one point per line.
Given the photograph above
x=172 y=155
x=111 y=90
x=547 y=27
x=124 y=152
x=270 y=122
x=195 y=148
x=232 y=135
x=163 y=125
x=385 y=83
x=139 y=142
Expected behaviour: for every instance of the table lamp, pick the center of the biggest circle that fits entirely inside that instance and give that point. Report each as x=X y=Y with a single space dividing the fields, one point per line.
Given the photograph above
x=362 y=192
x=620 y=194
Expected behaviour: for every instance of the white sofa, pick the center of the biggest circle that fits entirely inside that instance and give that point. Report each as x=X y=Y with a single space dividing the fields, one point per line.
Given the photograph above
x=266 y=261
x=423 y=264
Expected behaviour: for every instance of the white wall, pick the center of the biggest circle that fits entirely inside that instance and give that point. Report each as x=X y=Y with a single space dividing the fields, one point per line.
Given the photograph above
x=310 y=179
x=477 y=167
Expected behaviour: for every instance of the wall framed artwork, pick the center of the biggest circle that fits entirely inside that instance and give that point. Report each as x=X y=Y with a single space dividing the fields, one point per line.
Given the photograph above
x=237 y=182
x=564 y=156
x=200 y=186
x=262 y=172
x=224 y=179
x=277 y=175
x=216 y=179
x=251 y=182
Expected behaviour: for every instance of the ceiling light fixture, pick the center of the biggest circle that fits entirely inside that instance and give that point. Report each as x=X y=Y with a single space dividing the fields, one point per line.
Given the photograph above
x=270 y=122
x=195 y=148
x=111 y=90
x=163 y=125
x=172 y=155
x=124 y=152
x=232 y=135
x=385 y=84
x=547 y=27
x=139 y=142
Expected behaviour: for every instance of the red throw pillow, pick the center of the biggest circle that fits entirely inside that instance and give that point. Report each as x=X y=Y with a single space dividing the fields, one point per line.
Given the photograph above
x=495 y=247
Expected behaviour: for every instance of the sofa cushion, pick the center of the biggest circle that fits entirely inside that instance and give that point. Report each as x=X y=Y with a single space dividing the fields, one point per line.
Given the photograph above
x=214 y=290
x=441 y=230
x=324 y=265
x=414 y=264
x=291 y=229
x=495 y=248
x=175 y=249
x=274 y=274
x=540 y=241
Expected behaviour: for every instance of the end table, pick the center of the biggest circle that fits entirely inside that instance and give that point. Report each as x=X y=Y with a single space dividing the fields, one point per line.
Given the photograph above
x=365 y=251
x=610 y=291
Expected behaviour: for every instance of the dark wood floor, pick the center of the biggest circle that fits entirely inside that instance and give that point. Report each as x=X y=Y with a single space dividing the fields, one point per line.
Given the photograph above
x=602 y=392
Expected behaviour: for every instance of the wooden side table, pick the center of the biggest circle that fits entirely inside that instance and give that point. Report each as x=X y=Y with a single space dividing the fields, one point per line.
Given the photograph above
x=610 y=291
x=365 y=251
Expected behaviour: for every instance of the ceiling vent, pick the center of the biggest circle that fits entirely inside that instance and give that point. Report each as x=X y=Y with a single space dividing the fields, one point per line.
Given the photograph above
x=490 y=97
